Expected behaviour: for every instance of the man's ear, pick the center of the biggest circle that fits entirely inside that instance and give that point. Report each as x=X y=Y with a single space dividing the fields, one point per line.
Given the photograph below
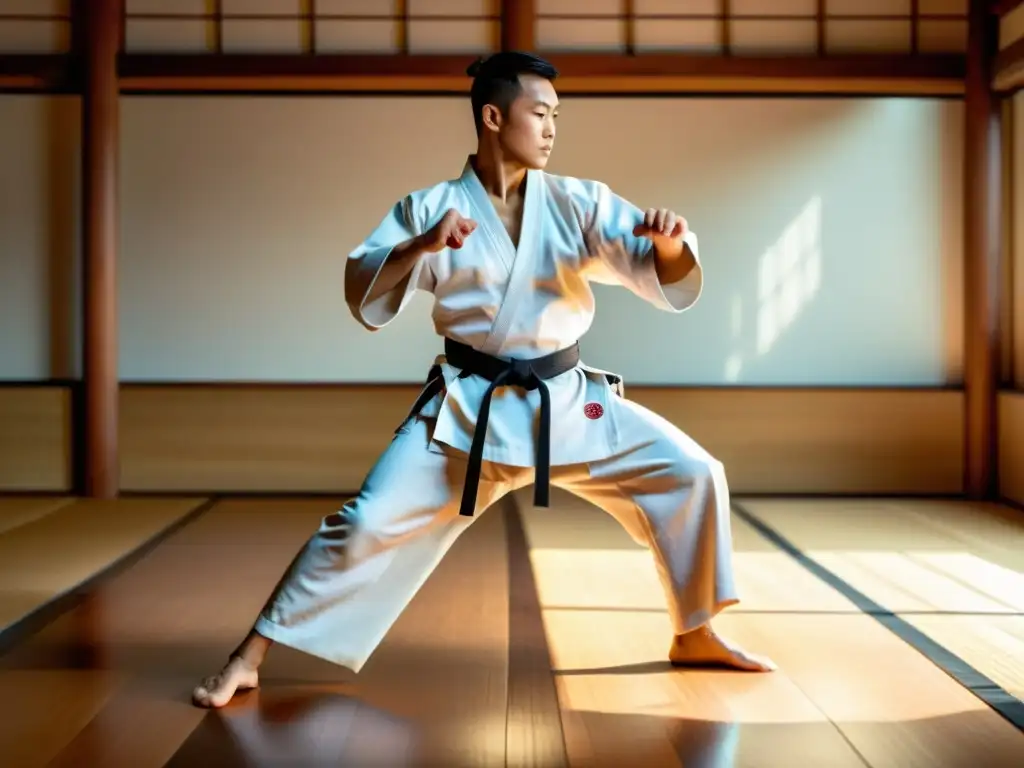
x=492 y=117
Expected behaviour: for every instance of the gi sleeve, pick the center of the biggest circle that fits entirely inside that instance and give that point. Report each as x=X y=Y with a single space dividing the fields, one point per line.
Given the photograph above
x=369 y=262
x=622 y=258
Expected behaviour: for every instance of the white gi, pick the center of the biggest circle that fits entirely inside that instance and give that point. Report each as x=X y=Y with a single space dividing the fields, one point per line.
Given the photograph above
x=354 y=577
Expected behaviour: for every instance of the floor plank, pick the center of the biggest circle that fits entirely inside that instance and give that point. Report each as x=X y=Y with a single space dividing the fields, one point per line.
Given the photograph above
x=16 y=511
x=45 y=558
x=849 y=692
x=910 y=555
x=953 y=570
x=107 y=684
x=434 y=694
x=50 y=708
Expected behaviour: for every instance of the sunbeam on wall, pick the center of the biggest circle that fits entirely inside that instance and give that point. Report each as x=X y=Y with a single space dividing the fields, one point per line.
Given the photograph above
x=789 y=276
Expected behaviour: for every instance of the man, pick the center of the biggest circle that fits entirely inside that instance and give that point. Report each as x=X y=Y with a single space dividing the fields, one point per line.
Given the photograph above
x=509 y=253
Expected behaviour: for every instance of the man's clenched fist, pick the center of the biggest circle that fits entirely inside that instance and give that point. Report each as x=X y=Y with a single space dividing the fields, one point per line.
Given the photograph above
x=450 y=232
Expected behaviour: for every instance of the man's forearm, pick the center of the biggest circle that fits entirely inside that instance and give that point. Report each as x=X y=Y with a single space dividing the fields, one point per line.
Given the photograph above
x=399 y=263
x=673 y=261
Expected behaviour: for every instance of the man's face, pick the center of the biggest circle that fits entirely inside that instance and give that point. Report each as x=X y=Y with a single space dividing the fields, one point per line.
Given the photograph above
x=527 y=132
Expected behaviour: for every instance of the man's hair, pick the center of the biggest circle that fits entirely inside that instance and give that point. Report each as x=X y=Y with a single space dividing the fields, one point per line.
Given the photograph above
x=496 y=80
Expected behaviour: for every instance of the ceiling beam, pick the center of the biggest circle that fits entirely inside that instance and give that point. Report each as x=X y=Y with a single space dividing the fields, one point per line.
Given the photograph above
x=38 y=73
x=1003 y=7
x=580 y=73
x=1009 y=68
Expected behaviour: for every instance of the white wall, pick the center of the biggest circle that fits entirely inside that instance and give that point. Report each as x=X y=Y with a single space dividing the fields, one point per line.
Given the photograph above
x=238 y=214
x=38 y=239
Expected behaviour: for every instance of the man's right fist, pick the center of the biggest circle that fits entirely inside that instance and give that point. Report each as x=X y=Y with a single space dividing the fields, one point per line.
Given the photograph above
x=450 y=232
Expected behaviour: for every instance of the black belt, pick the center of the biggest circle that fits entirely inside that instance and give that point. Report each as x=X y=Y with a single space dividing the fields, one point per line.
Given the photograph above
x=528 y=374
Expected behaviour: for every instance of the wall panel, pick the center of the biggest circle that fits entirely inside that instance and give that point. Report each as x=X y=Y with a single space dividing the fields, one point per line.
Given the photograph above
x=470 y=26
x=35 y=438
x=238 y=215
x=325 y=439
x=1015 y=233
x=39 y=238
x=1011 y=446
x=35 y=26
x=336 y=26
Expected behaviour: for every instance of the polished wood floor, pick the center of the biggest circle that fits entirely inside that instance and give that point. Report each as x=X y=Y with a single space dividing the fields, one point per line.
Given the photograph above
x=540 y=641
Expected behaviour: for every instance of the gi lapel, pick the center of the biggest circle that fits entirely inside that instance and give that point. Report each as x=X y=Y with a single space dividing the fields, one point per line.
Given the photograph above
x=490 y=223
x=520 y=260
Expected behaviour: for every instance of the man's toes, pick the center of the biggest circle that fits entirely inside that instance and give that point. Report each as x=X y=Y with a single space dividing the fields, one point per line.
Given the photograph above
x=755 y=663
x=203 y=693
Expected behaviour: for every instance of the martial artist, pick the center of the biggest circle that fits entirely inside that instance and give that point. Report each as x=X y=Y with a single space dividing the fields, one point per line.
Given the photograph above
x=508 y=252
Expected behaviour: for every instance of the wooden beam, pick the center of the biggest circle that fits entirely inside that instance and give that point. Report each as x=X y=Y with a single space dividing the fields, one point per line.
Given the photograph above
x=982 y=170
x=668 y=74
x=100 y=149
x=1003 y=7
x=37 y=73
x=518 y=24
x=1009 y=68
x=925 y=75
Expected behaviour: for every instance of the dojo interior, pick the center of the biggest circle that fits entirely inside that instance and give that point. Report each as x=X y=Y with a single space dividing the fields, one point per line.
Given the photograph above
x=184 y=394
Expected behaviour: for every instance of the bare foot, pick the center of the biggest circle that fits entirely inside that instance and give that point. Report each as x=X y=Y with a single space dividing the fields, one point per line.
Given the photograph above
x=703 y=648
x=218 y=690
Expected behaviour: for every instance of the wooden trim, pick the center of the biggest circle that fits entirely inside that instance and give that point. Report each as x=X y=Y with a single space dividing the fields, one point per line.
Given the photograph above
x=518 y=25
x=256 y=439
x=726 y=30
x=1011 y=446
x=218 y=26
x=653 y=74
x=981 y=256
x=37 y=73
x=310 y=10
x=1007 y=311
x=402 y=10
x=176 y=66
x=915 y=26
x=39 y=384
x=322 y=437
x=1003 y=7
x=928 y=75
x=100 y=150
x=1009 y=68
x=37 y=437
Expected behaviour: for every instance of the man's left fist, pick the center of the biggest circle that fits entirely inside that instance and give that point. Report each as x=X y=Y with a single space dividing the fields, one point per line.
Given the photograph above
x=661 y=223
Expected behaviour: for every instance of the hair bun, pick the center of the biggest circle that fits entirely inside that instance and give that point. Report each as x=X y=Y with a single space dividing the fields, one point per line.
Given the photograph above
x=474 y=69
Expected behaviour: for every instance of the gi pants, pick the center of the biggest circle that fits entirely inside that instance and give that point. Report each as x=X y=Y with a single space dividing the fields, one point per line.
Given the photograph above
x=357 y=573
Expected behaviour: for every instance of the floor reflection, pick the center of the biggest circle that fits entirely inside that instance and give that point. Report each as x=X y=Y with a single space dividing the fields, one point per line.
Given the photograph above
x=299 y=728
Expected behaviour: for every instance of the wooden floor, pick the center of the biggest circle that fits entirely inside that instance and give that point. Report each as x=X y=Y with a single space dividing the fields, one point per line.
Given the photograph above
x=540 y=641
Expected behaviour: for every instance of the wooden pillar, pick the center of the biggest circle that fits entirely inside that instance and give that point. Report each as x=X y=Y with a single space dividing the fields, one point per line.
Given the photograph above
x=518 y=19
x=982 y=253
x=101 y=35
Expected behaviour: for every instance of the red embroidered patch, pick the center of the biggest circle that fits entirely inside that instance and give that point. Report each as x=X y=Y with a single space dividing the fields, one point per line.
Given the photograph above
x=593 y=410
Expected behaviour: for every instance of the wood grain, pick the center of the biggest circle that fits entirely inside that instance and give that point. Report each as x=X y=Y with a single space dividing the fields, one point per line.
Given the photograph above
x=51 y=555
x=35 y=438
x=848 y=692
x=433 y=694
x=1011 y=446
x=953 y=571
x=252 y=438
